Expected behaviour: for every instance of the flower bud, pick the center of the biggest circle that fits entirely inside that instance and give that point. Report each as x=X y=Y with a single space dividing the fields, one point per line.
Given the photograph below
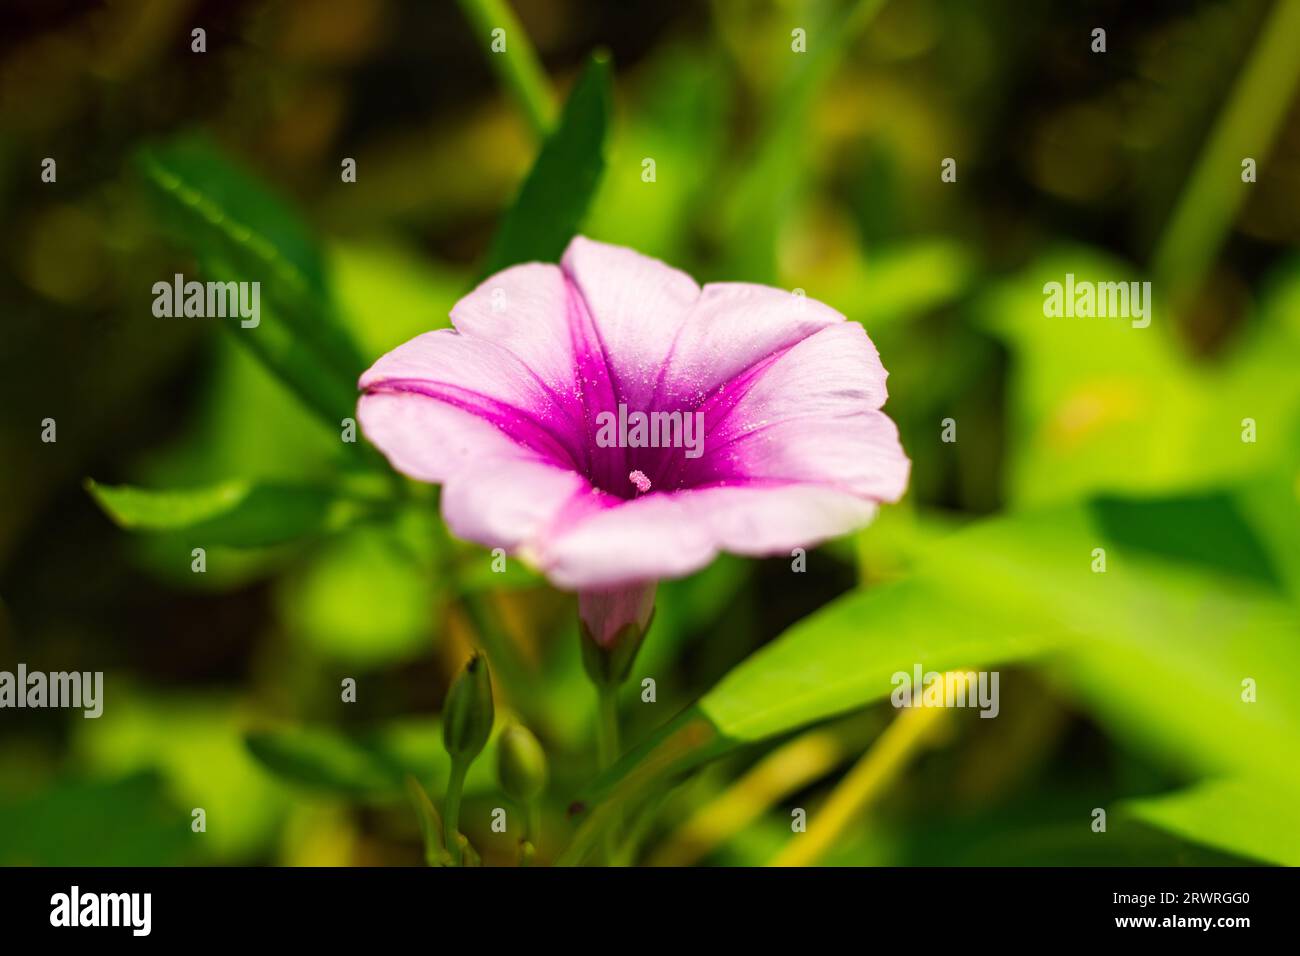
x=613 y=623
x=467 y=713
x=521 y=763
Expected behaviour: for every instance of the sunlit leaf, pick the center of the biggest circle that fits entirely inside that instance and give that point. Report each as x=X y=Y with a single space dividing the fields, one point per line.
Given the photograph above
x=388 y=294
x=235 y=513
x=1251 y=818
x=1005 y=590
x=194 y=743
x=1099 y=405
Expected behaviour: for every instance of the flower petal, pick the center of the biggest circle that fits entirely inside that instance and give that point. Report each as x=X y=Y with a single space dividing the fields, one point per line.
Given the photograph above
x=732 y=327
x=502 y=412
x=506 y=500
x=425 y=439
x=635 y=306
x=671 y=535
x=525 y=310
x=810 y=414
x=483 y=379
x=640 y=540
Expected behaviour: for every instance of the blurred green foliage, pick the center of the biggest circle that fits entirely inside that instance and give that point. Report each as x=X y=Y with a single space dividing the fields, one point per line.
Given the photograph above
x=816 y=170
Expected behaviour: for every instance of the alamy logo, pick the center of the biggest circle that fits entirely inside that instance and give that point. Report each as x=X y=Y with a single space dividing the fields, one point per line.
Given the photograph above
x=58 y=689
x=1085 y=300
x=949 y=689
x=651 y=430
x=102 y=909
x=208 y=300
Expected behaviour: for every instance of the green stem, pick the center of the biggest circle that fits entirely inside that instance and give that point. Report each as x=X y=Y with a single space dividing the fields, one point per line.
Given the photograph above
x=451 y=809
x=607 y=726
x=533 y=819
x=517 y=65
x=607 y=754
x=532 y=828
x=1247 y=126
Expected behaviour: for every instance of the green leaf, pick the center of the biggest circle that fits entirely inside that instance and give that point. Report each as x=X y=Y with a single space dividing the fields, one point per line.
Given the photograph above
x=240 y=231
x=193 y=741
x=893 y=283
x=1250 y=818
x=127 y=821
x=236 y=513
x=1102 y=407
x=373 y=765
x=517 y=64
x=1165 y=668
x=1206 y=529
x=559 y=188
x=324 y=761
x=435 y=851
x=968 y=608
x=1158 y=646
x=1272 y=508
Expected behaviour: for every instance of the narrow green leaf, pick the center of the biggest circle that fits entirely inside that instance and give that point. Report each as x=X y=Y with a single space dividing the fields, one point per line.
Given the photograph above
x=241 y=231
x=374 y=764
x=325 y=761
x=435 y=851
x=559 y=188
x=234 y=513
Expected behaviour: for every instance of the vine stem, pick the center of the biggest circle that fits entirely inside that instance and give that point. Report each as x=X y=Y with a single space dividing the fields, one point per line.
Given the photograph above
x=517 y=64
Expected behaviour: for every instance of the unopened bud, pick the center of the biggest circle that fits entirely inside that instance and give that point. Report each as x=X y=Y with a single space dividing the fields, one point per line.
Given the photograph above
x=521 y=763
x=467 y=714
x=613 y=623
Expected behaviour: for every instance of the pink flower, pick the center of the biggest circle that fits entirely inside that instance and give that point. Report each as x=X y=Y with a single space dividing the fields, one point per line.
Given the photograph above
x=506 y=412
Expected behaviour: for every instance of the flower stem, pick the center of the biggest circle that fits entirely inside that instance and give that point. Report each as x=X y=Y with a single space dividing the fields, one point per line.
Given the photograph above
x=607 y=726
x=516 y=63
x=532 y=828
x=451 y=809
x=607 y=753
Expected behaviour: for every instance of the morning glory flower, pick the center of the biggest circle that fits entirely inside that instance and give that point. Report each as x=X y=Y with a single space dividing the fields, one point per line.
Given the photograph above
x=614 y=424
